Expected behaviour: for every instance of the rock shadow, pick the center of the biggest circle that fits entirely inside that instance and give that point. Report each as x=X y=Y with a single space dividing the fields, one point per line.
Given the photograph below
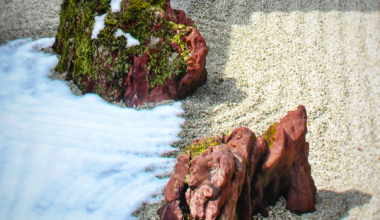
x=330 y=205
x=215 y=20
x=339 y=202
x=199 y=108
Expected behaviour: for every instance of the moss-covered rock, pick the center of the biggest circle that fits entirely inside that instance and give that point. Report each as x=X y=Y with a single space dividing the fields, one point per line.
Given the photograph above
x=168 y=62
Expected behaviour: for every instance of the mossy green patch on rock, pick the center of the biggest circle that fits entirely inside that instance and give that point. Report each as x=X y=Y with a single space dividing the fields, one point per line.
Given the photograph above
x=198 y=148
x=269 y=135
x=102 y=65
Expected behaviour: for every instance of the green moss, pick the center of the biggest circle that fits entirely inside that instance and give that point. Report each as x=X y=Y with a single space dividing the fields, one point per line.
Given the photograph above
x=269 y=135
x=106 y=58
x=199 y=148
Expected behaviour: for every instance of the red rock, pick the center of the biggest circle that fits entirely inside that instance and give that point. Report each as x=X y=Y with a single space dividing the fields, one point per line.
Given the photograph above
x=176 y=182
x=301 y=190
x=242 y=139
x=242 y=175
x=174 y=189
x=171 y=211
x=244 y=207
x=196 y=72
x=235 y=188
x=286 y=168
x=210 y=174
x=136 y=82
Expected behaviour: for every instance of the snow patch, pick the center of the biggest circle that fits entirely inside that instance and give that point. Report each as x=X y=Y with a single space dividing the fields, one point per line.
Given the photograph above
x=98 y=26
x=74 y=157
x=115 y=6
x=131 y=41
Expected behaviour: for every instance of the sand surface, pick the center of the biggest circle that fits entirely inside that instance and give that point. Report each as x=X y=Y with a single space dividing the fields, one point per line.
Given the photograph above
x=266 y=58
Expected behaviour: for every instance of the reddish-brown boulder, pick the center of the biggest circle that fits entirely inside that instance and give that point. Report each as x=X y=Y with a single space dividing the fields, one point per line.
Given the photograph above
x=286 y=171
x=166 y=59
x=239 y=175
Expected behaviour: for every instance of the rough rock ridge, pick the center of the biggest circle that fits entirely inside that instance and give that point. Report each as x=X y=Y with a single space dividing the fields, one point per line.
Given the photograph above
x=166 y=61
x=237 y=176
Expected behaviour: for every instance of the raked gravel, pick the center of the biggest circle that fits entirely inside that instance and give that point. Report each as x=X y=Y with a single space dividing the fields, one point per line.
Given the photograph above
x=266 y=58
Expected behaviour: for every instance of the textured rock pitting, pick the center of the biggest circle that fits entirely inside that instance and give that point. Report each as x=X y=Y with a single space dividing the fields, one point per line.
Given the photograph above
x=237 y=176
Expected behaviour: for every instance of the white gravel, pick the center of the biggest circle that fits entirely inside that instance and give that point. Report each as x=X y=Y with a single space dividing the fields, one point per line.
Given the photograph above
x=28 y=18
x=267 y=57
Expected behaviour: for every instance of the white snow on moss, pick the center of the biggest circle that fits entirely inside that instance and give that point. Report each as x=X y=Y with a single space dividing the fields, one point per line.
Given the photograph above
x=98 y=26
x=74 y=157
x=115 y=6
x=131 y=40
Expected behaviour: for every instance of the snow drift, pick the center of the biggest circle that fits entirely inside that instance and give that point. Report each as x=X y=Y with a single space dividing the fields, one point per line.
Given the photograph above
x=74 y=157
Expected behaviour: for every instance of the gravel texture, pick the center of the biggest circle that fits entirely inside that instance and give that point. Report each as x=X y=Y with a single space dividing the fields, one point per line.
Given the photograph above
x=28 y=18
x=266 y=58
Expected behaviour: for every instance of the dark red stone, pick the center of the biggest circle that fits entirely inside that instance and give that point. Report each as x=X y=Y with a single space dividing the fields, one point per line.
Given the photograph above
x=196 y=71
x=286 y=171
x=209 y=180
x=176 y=182
x=174 y=189
x=243 y=174
x=170 y=211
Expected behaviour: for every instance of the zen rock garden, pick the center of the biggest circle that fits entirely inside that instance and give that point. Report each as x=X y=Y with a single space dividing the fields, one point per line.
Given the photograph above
x=143 y=51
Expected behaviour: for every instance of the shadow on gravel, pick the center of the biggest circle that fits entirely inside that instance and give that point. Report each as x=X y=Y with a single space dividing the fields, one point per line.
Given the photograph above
x=327 y=201
x=215 y=19
x=343 y=202
x=198 y=108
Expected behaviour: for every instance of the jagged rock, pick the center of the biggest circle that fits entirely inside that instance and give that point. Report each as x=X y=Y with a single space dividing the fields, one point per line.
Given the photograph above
x=286 y=170
x=174 y=189
x=145 y=51
x=237 y=176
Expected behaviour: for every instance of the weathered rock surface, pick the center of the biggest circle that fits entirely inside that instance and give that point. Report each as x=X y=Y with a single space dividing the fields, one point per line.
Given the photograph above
x=168 y=63
x=237 y=176
x=176 y=188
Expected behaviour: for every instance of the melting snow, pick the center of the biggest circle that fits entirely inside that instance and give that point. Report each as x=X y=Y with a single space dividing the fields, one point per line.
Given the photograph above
x=69 y=157
x=131 y=42
x=115 y=6
x=98 y=26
